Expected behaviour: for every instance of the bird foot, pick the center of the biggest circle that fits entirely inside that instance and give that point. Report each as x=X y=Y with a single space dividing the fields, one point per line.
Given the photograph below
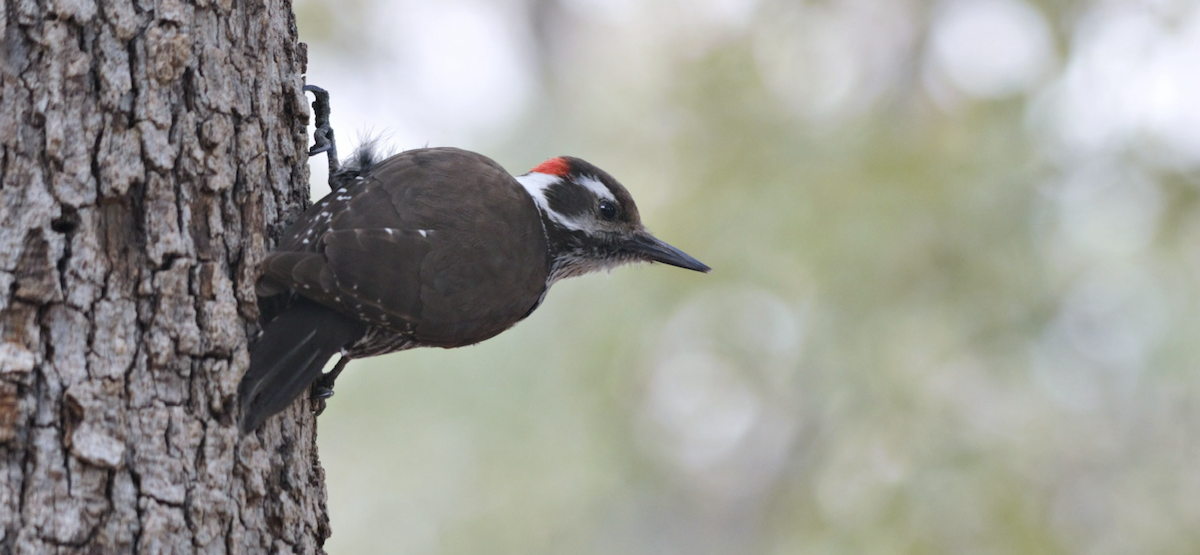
x=322 y=388
x=318 y=397
x=323 y=140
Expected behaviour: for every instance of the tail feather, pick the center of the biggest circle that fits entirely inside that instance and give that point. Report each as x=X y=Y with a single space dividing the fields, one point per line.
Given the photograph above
x=291 y=354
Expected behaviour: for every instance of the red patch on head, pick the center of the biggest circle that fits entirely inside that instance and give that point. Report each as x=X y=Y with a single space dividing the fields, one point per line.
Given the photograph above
x=553 y=166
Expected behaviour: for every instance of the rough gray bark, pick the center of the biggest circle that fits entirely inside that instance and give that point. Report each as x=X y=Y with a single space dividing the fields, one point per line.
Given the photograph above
x=150 y=151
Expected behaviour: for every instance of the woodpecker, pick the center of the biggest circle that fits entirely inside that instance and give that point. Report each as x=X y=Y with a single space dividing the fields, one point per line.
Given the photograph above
x=434 y=247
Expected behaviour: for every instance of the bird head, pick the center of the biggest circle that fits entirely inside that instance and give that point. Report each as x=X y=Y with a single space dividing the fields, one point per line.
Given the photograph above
x=592 y=222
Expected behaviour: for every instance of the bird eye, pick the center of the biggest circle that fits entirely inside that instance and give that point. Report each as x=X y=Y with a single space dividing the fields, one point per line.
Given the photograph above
x=607 y=210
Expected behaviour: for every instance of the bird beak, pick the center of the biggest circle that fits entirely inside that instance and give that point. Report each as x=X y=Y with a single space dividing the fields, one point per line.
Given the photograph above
x=652 y=249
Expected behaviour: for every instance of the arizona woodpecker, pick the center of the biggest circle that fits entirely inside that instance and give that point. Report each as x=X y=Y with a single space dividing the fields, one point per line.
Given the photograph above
x=434 y=247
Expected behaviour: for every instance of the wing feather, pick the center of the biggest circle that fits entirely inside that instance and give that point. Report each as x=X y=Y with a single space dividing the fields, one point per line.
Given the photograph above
x=441 y=242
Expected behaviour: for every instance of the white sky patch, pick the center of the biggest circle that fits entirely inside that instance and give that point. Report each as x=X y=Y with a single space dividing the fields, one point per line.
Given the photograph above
x=991 y=48
x=1131 y=83
x=466 y=62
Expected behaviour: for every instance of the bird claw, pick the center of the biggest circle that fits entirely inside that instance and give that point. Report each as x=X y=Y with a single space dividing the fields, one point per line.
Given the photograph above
x=323 y=140
x=318 y=400
x=322 y=388
x=320 y=392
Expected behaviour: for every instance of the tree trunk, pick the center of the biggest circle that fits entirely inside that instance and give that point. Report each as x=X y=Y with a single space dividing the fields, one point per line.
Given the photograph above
x=152 y=150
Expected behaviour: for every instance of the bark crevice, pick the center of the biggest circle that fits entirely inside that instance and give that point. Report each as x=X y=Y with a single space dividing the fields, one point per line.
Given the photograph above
x=148 y=159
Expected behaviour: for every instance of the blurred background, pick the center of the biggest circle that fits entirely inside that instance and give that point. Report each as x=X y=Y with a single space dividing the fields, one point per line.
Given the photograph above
x=956 y=252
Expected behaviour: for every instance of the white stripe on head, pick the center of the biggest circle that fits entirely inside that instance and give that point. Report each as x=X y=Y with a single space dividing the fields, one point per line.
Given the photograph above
x=594 y=185
x=535 y=184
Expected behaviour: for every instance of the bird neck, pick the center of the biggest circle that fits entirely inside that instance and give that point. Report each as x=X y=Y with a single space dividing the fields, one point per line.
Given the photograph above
x=571 y=253
x=568 y=247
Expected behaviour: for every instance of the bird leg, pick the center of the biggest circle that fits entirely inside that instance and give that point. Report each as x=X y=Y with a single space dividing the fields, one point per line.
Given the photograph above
x=323 y=134
x=322 y=388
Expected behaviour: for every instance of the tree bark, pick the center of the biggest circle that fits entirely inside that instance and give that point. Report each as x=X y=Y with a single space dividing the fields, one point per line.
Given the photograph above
x=151 y=151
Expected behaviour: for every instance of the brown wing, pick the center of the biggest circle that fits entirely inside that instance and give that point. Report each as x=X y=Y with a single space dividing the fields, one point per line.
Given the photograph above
x=434 y=241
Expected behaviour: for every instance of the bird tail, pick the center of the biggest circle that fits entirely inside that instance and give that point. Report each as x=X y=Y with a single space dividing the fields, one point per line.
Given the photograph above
x=289 y=355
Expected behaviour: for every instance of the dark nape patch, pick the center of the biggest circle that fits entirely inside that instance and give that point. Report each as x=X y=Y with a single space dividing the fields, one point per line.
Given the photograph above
x=569 y=199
